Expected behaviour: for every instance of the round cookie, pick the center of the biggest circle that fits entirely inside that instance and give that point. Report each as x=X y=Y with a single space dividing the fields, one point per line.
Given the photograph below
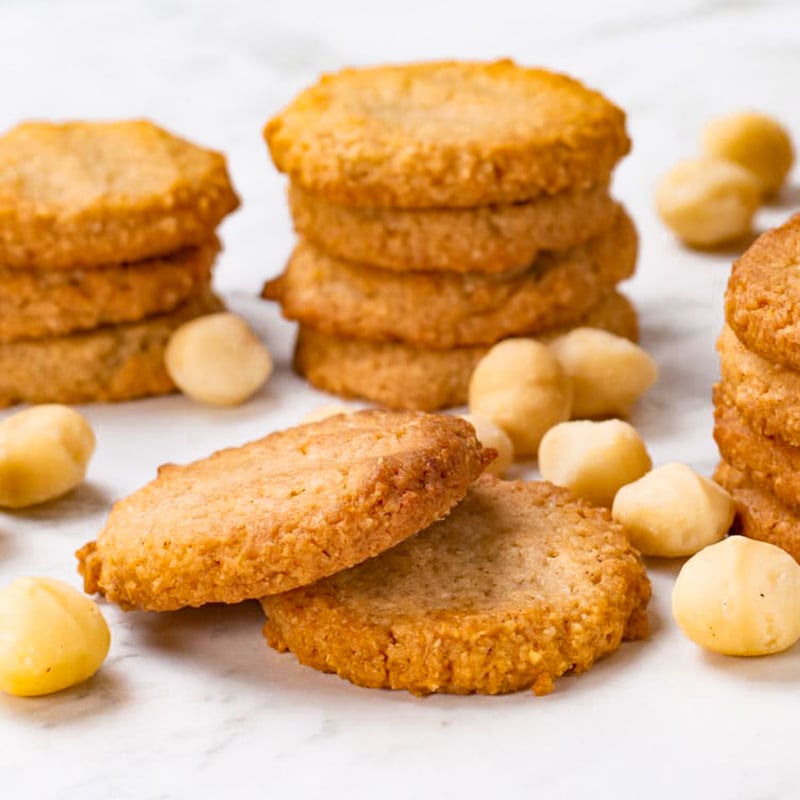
x=762 y=301
x=36 y=304
x=442 y=310
x=771 y=463
x=109 y=364
x=88 y=194
x=283 y=511
x=400 y=375
x=766 y=395
x=520 y=584
x=492 y=238
x=446 y=134
x=760 y=515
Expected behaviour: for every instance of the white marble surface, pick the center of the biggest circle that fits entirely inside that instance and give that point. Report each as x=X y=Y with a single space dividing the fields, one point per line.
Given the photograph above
x=193 y=704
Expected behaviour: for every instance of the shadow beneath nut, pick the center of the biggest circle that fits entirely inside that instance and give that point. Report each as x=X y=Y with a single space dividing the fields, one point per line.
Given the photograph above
x=728 y=250
x=788 y=198
x=86 y=500
x=779 y=669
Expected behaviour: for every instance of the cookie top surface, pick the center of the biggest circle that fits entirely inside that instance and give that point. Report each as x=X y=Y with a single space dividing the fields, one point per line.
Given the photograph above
x=446 y=134
x=80 y=194
x=519 y=584
x=762 y=301
x=282 y=511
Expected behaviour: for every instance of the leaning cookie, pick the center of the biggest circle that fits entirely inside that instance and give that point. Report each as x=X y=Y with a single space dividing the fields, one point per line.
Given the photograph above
x=283 y=511
x=446 y=134
x=400 y=375
x=520 y=584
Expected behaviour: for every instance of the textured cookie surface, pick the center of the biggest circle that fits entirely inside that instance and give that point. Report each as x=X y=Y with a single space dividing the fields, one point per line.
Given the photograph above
x=109 y=364
x=491 y=238
x=442 y=310
x=282 y=511
x=85 y=194
x=41 y=303
x=766 y=394
x=759 y=513
x=518 y=585
x=403 y=376
x=771 y=463
x=762 y=301
x=446 y=134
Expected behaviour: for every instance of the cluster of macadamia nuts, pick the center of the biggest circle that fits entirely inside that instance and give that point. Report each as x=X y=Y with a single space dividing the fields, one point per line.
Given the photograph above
x=711 y=200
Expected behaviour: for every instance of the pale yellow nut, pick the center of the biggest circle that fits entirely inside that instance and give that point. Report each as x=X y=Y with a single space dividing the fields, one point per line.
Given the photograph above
x=608 y=373
x=44 y=453
x=757 y=142
x=325 y=411
x=217 y=359
x=708 y=201
x=739 y=597
x=672 y=511
x=521 y=387
x=491 y=435
x=593 y=459
x=51 y=637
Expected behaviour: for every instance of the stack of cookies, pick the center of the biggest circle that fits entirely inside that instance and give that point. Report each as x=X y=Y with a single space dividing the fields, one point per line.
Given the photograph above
x=757 y=417
x=106 y=246
x=443 y=207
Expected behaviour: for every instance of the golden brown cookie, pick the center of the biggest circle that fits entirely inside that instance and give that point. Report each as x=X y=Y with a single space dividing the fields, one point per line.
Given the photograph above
x=493 y=238
x=446 y=134
x=37 y=303
x=88 y=194
x=771 y=463
x=282 y=511
x=403 y=376
x=109 y=364
x=767 y=395
x=759 y=514
x=443 y=310
x=762 y=301
x=520 y=584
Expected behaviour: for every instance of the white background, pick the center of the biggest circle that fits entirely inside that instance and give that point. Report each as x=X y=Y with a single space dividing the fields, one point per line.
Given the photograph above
x=193 y=704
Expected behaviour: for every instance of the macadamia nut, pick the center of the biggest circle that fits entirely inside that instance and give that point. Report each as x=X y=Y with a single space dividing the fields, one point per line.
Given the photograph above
x=491 y=435
x=521 y=387
x=51 y=637
x=708 y=201
x=217 y=359
x=593 y=459
x=672 y=511
x=608 y=373
x=325 y=411
x=739 y=597
x=44 y=453
x=756 y=142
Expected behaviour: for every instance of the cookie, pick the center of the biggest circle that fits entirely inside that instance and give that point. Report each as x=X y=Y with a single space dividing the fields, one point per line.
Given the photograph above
x=492 y=238
x=767 y=395
x=283 y=511
x=520 y=584
x=762 y=301
x=109 y=364
x=759 y=514
x=403 y=376
x=771 y=463
x=36 y=303
x=446 y=134
x=443 y=310
x=88 y=194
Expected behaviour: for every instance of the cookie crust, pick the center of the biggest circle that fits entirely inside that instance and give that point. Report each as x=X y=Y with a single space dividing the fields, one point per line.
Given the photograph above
x=492 y=239
x=283 y=511
x=403 y=376
x=446 y=134
x=441 y=310
x=88 y=194
x=520 y=584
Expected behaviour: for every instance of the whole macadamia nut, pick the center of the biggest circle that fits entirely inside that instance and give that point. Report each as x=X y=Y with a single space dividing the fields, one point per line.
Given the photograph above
x=739 y=597
x=672 y=511
x=521 y=387
x=491 y=435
